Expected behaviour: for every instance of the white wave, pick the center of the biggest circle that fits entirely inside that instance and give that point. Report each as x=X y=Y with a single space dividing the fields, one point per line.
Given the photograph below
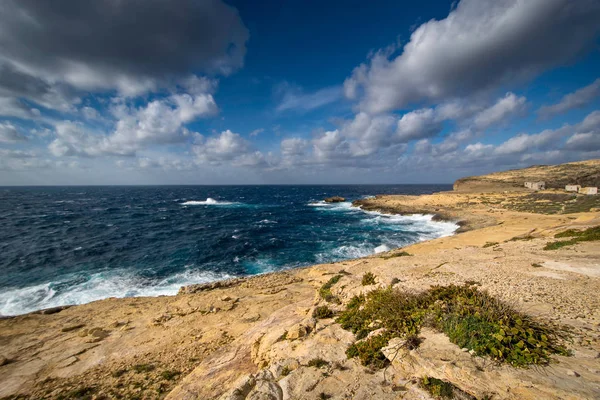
x=381 y=249
x=98 y=286
x=208 y=202
x=267 y=221
x=345 y=205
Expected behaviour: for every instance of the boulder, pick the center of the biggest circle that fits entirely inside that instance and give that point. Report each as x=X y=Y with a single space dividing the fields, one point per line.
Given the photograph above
x=334 y=199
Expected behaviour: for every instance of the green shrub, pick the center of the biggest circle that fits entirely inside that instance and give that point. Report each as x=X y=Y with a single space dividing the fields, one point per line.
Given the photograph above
x=317 y=363
x=444 y=390
x=472 y=319
x=169 y=375
x=394 y=255
x=490 y=244
x=323 y=312
x=368 y=279
x=143 y=368
x=588 y=235
x=325 y=291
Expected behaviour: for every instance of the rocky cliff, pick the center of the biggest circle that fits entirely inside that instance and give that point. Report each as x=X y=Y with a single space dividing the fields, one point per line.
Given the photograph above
x=584 y=173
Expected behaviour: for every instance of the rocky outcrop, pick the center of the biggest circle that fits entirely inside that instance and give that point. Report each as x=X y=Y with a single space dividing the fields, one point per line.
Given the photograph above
x=334 y=199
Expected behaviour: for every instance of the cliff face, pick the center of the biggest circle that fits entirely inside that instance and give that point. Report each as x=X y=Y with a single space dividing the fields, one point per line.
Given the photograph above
x=584 y=173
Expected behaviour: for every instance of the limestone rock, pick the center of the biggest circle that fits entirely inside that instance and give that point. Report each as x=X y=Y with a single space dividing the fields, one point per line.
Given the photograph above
x=334 y=199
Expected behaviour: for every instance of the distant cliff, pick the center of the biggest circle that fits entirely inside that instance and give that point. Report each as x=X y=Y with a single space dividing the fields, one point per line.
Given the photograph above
x=584 y=173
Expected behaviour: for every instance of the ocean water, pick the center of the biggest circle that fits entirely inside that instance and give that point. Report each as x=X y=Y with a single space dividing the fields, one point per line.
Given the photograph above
x=73 y=245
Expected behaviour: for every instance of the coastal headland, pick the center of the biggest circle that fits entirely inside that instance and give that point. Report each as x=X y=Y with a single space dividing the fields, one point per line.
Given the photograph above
x=286 y=335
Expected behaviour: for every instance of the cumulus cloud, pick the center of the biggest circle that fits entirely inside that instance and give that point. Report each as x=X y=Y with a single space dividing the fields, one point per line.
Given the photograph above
x=577 y=99
x=418 y=124
x=499 y=112
x=227 y=148
x=10 y=134
x=478 y=46
x=49 y=49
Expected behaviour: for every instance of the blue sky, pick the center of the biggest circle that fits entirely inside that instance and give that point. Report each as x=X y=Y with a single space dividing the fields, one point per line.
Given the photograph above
x=213 y=92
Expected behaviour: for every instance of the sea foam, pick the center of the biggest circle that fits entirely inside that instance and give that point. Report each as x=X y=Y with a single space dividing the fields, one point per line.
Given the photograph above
x=208 y=202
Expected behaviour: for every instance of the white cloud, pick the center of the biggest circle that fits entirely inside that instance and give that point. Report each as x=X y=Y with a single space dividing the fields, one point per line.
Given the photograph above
x=481 y=44
x=227 y=148
x=256 y=132
x=294 y=98
x=577 y=99
x=418 y=124
x=507 y=106
x=10 y=134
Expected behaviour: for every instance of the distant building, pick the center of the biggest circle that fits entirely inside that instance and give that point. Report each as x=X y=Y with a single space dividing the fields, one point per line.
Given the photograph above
x=573 y=188
x=588 y=190
x=536 y=185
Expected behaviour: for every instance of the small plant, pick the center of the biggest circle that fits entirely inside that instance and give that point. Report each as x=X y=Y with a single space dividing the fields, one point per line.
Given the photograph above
x=536 y=265
x=282 y=337
x=444 y=390
x=399 y=254
x=490 y=244
x=168 y=375
x=521 y=238
x=394 y=281
x=344 y=272
x=317 y=363
x=325 y=291
x=324 y=396
x=368 y=279
x=83 y=393
x=323 y=312
x=139 y=368
x=118 y=373
x=285 y=371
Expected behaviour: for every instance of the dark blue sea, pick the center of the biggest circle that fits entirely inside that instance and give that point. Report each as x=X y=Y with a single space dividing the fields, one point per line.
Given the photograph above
x=72 y=245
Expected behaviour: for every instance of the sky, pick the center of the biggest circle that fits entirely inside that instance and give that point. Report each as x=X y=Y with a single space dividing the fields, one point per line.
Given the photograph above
x=128 y=92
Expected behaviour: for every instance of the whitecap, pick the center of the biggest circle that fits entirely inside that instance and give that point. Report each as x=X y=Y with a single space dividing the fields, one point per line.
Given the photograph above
x=381 y=249
x=98 y=286
x=208 y=202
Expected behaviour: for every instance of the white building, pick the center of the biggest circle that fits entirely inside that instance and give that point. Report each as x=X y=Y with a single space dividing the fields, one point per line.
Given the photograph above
x=589 y=190
x=573 y=188
x=536 y=185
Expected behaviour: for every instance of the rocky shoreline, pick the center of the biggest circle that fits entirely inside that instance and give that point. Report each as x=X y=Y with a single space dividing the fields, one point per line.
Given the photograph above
x=275 y=336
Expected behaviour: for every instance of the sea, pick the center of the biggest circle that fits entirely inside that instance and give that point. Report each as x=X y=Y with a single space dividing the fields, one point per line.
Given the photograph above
x=74 y=245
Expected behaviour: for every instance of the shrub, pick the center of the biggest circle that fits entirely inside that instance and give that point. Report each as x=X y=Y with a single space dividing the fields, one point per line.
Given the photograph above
x=325 y=291
x=143 y=368
x=472 y=319
x=317 y=363
x=323 y=312
x=394 y=255
x=169 y=375
x=444 y=390
x=368 y=279
x=588 y=235
x=490 y=244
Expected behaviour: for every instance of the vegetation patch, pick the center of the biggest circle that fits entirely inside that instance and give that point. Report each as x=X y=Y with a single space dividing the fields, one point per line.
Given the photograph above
x=394 y=255
x=368 y=279
x=536 y=265
x=444 y=390
x=141 y=368
x=521 y=237
x=325 y=291
x=471 y=318
x=82 y=393
x=588 y=235
x=490 y=244
x=323 y=312
x=317 y=363
x=169 y=375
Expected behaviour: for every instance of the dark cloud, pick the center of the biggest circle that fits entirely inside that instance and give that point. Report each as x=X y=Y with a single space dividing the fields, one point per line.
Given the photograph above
x=478 y=46
x=128 y=45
